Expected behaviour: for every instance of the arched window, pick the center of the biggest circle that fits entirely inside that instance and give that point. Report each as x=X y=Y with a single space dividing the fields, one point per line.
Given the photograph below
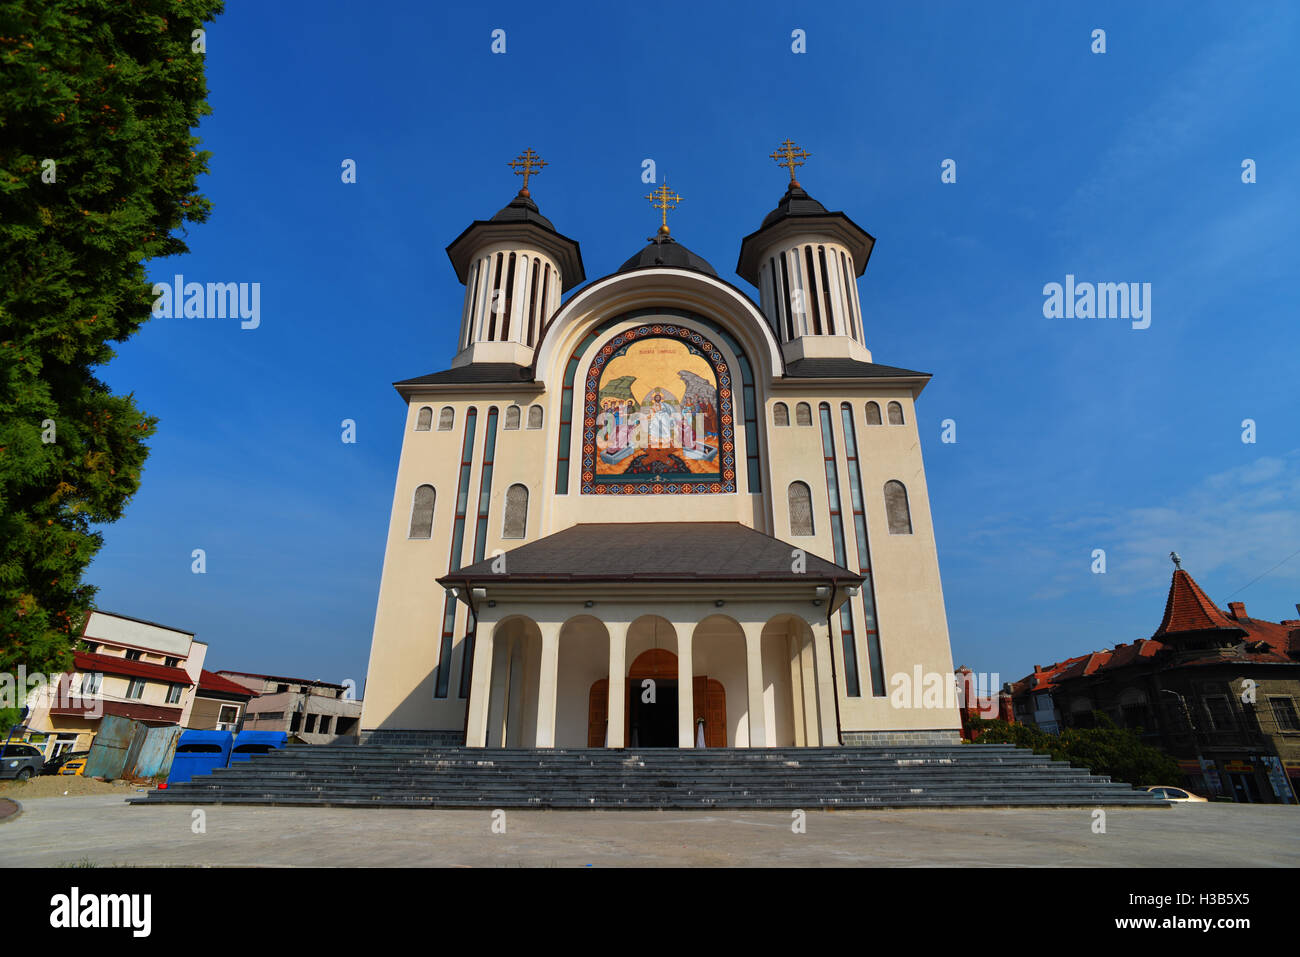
x=534 y=418
x=516 y=521
x=780 y=414
x=900 y=517
x=446 y=419
x=895 y=414
x=803 y=414
x=424 y=421
x=801 y=516
x=422 y=512
x=873 y=414
x=512 y=417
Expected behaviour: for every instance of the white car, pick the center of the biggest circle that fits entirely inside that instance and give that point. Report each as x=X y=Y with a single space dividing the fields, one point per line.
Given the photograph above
x=1175 y=794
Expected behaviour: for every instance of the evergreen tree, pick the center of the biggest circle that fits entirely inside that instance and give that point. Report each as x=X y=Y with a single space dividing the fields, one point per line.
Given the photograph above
x=98 y=168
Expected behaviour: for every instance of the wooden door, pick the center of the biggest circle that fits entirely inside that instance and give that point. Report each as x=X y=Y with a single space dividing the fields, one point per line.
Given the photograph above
x=597 y=713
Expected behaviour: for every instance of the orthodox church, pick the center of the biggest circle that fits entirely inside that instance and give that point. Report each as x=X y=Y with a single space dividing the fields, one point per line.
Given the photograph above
x=659 y=513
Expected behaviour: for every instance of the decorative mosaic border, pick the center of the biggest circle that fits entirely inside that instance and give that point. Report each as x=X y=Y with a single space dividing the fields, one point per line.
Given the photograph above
x=726 y=430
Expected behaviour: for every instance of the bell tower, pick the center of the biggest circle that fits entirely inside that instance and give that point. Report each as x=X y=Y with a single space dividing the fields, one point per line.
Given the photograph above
x=514 y=267
x=805 y=261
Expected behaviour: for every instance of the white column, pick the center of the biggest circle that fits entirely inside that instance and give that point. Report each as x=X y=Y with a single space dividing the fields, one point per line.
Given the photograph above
x=548 y=683
x=685 y=685
x=808 y=674
x=821 y=641
x=499 y=698
x=796 y=690
x=480 y=685
x=617 y=711
x=754 y=671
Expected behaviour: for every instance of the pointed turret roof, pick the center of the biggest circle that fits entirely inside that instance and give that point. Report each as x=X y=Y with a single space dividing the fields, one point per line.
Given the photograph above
x=1189 y=610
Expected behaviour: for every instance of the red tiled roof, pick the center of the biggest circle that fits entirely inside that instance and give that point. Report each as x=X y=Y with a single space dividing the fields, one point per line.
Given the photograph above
x=156 y=714
x=209 y=681
x=1189 y=609
x=113 y=665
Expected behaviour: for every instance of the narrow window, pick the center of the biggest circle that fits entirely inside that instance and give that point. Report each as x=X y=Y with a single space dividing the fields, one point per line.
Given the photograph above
x=510 y=298
x=424 y=421
x=443 y=676
x=826 y=291
x=800 y=501
x=532 y=301
x=546 y=286
x=512 y=417
x=785 y=286
x=803 y=414
x=473 y=303
x=867 y=594
x=534 y=416
x=516 y=521
x=422 y=512
x=851 y=686
x=135 y=689
x=873 y=414
x=895 y=414
x=780 y=414
x=174 y=694
x=812 y=290
x=446 y=419
x=494 y=306
x=900 y=517
x=849 y=317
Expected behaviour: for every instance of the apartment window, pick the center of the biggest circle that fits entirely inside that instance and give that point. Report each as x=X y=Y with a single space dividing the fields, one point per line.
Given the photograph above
x=133 y=655
x=174 y=694
x=90 y=682
x=311 y=724
x=324 y=724
x=227 y=717
x=135 y=690
x=281 y=689
x=1220 y=713
x=295 y=722
x=172 y=662
x=1284 y=712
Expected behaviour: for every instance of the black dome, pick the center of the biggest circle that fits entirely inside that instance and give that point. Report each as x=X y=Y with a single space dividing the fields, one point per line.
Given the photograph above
x=795 y=202
x=666 y=251
x=522 y=209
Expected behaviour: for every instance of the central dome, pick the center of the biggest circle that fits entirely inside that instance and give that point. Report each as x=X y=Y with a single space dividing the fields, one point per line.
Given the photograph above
x=666 y=251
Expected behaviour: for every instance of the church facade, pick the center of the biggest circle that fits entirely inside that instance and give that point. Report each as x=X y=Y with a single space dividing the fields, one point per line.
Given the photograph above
x=659 y=513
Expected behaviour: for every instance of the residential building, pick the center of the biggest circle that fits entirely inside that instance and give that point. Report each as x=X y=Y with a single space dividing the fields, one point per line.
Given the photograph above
x=317 y=712
x=1218 y=690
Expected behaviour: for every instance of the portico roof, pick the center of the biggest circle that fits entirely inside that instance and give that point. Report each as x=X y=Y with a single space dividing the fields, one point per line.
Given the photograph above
x=655 y=552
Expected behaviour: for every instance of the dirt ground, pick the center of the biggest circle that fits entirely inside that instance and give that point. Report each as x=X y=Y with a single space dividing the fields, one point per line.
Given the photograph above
x=56 y=785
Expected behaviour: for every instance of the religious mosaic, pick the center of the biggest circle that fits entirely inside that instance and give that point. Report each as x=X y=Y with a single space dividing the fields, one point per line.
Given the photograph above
x=658 y=415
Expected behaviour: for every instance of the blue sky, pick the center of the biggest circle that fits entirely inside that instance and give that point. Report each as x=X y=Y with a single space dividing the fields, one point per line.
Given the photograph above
x=1072 y=434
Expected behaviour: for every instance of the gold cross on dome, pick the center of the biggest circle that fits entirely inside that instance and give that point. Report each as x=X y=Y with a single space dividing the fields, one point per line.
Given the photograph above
x=527 y=164
x=791 y=156
x=663 y=199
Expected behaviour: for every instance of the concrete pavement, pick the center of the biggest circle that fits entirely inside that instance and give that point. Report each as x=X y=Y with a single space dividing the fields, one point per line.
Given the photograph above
x=102 y=830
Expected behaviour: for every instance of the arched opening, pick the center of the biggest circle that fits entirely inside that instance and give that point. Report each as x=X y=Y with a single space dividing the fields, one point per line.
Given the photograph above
x=515 y=680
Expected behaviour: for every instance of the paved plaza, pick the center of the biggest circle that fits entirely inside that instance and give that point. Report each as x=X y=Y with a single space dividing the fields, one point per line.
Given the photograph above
x=101 y=830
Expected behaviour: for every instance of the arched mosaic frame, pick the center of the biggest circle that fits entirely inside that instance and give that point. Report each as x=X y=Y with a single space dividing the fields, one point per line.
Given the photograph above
x=620 y=485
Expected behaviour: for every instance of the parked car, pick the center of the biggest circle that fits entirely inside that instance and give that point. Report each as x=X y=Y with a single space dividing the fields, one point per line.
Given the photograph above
x=20 y=761
x=1176 y=794
x=76 y=766
x=55 y=764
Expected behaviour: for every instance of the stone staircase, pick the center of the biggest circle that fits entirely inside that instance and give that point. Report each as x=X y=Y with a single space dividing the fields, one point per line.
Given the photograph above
x=911 y=776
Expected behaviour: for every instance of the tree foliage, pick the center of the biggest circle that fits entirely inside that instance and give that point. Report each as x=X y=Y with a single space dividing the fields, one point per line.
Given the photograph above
x=1105 y=749
x=98 y=168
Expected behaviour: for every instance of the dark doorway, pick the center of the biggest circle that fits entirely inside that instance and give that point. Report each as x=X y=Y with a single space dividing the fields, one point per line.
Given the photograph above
x=652 y=724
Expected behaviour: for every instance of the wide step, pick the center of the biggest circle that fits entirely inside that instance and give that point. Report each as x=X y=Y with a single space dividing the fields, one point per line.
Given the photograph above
x=877 y=777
